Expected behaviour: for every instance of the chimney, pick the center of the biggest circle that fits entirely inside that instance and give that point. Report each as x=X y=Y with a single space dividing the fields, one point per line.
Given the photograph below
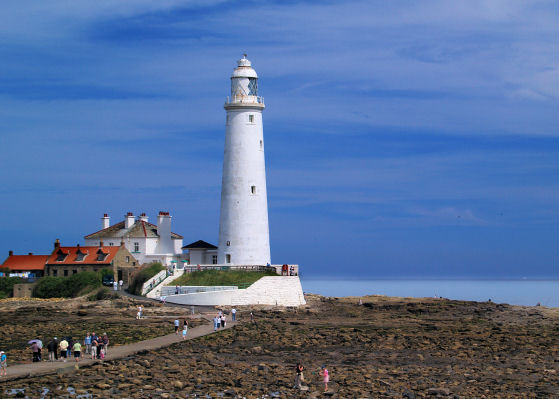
x=164 y=231
x=11 y=253
x=122 y=242
x=129 y=220
x=106 y=221
x=57 y=243
x=100 y=243
x=31 y=253
x=143 y=217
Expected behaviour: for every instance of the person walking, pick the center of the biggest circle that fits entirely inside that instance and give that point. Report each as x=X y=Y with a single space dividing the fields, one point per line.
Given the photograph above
x=3 y=363
x=233 y=314
x=120 y=283
x=177 y=322
x=106 y=343
x=87 y=343
x=184 y=330
x=35 y=349
x=63 y=349
x=216 y=323
x=77 y=351
x=115 y=286
x=52 y=348
x=251 y=317
x=94 y=345
x=325 y=377
x=222 y=321
x=299 y=375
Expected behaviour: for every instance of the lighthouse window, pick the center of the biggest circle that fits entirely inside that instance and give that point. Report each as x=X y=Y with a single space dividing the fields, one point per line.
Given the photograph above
x=261 y=144
x=227 y=258
x=251 y=119
x=253 y=189
x=252 y=87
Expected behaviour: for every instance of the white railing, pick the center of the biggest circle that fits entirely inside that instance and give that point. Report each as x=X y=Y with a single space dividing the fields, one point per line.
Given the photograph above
x=245 y=99
x=193 y=289
x=154 y=282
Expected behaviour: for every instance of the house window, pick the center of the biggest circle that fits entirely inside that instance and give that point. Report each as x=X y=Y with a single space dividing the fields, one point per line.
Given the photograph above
x=253 y=189
x=214 y=259
x=74 y=271
x=228 y=243
x=128 y=259
x=251 y=119
x=65 y=273
x=227 y=258
x=55 y=272
x=111 y=244
x=136 y=247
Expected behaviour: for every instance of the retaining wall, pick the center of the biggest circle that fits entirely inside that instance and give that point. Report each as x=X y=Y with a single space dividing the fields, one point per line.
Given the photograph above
x=272 y=290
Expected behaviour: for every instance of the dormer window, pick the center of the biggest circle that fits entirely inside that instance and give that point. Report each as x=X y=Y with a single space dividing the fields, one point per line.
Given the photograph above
x=101 y=256
x=80 y=256
x=61 y=256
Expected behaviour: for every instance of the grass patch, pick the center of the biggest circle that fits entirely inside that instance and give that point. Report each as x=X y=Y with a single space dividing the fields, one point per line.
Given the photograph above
x=239 y=278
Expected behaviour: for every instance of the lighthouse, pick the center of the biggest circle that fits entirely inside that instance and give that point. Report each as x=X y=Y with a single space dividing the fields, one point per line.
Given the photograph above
x=244 y=237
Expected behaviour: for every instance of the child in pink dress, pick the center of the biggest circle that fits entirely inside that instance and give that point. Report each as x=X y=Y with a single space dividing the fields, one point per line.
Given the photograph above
x=325 y=376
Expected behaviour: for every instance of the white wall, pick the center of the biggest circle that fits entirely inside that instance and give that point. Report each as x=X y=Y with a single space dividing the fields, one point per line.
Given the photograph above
x=280 y=291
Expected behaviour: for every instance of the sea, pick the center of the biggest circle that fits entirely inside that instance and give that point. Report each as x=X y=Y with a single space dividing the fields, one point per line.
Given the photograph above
x=524 y=292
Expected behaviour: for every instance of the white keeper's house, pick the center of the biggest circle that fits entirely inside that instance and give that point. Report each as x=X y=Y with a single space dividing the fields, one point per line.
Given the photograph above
x=146 y=241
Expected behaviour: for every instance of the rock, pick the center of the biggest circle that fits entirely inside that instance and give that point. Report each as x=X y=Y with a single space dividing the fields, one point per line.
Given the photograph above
x=438 y=391
x=102 y=385
x=408 y=394
x=178 y=384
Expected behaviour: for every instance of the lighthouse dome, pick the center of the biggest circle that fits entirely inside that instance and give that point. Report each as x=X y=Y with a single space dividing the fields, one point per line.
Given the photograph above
x=244 y=69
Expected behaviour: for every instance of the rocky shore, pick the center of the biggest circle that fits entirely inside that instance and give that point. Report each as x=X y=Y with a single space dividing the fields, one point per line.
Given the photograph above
x=385 y=348
x=23 y=320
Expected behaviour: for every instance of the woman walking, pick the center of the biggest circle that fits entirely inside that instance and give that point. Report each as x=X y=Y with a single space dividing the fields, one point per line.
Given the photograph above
x=325 y=377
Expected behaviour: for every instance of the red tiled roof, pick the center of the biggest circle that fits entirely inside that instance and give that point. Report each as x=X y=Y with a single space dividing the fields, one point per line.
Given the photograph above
x=90 y=258
x=26 y=262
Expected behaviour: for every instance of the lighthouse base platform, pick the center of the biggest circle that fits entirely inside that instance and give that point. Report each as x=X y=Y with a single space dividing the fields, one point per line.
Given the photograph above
x=272 y=290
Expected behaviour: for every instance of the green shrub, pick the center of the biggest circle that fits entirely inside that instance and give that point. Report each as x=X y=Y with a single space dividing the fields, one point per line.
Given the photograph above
x=7 y=285
x=102 y=293
x=67 y=287
x=143 y=275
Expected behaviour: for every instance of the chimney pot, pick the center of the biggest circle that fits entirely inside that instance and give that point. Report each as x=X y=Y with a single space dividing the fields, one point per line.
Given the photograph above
x=105 y=215
x=57 y=243
x=101 y=243
x=10 y=253
x=30 y=253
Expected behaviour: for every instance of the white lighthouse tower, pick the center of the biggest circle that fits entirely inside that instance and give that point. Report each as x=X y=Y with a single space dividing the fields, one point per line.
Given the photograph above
x=243 y=225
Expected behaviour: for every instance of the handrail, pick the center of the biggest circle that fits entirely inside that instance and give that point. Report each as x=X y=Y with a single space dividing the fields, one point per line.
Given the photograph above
x=155 y=281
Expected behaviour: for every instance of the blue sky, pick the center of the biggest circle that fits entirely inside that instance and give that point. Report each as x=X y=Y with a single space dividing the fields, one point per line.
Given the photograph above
x=402 y=138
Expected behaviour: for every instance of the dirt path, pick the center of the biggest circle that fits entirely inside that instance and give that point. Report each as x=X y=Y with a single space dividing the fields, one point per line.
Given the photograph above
x=19 y=371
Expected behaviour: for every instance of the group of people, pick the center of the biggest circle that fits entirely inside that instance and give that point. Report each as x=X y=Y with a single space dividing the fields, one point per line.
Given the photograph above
x=220 y=321
x=93 y=344
x=184 y=327
x=300 y=378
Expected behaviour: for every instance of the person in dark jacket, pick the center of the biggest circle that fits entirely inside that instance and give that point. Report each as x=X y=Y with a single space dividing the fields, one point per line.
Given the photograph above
x=52 y=347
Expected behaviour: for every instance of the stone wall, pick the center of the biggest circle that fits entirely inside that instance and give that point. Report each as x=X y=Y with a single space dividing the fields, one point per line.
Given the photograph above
x=24 y=290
